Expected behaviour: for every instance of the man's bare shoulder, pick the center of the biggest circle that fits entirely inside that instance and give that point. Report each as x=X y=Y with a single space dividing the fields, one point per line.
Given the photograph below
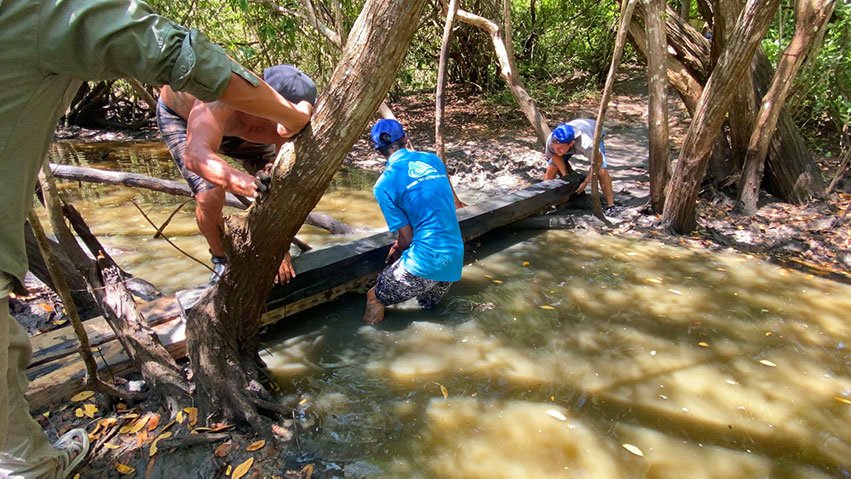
x=182 y=102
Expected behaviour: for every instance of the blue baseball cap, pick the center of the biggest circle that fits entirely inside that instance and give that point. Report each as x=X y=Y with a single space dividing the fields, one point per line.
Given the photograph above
x=291 y=83
x=385 y=132
x=564 y=133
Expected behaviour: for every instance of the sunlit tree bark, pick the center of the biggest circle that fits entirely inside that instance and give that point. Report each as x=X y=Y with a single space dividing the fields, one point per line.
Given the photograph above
x=222 y=328
x=812 y=18
x=508 y=71
x=439 y=100
x=657 y=119
x=680 y=214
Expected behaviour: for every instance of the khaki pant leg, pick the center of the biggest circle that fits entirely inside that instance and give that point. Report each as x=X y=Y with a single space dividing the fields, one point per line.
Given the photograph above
x=25 y=452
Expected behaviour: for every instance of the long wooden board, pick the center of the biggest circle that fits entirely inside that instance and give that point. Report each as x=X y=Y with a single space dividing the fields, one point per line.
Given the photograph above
x=323 y=275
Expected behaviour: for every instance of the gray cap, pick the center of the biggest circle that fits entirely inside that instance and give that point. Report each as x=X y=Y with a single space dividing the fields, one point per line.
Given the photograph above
x=291 y=83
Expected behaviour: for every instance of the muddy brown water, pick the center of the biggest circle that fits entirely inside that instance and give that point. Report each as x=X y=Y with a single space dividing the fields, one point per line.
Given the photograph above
x=559 y=354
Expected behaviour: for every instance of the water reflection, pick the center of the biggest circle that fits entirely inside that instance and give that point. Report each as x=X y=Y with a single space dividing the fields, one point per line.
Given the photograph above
x=110 y=212
x=712 y=365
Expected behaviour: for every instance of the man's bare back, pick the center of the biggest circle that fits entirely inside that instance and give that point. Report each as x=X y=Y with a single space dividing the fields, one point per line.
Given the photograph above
x=237 y=124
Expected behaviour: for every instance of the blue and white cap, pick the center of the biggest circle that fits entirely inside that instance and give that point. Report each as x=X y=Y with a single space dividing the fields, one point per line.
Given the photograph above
x=385 y=132
x=564 y=133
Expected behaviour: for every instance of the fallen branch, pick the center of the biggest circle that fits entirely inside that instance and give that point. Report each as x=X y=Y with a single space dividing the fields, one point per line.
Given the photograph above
x=177 y=188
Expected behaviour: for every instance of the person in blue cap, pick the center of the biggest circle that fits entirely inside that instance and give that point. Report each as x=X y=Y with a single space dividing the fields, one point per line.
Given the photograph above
x=196 y=132
x=416 y=199
x=576 y=137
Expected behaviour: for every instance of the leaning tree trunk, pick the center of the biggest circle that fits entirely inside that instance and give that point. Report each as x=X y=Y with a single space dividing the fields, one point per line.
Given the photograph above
x=688 y=70
x=812 y=17
x=791 y=172
x=140 y=342
x=743 y=109
x=683 y=81
x=620 y=41
x=77 y=286
x=439 y=100
x=222 y=328
x=62 y=288
x=159 y=369
x=508 y=70
x=657 y=119
x=680 y=212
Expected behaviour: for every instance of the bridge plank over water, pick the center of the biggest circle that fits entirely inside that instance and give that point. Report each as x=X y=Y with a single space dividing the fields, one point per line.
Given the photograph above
x=323 y=275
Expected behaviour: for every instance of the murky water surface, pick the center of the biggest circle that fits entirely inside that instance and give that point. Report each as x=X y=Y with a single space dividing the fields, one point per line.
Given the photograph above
x=600 y=358
x=558 y=355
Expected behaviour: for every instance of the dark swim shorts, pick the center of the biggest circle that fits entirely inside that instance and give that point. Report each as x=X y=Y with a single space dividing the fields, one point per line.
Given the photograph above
x=395 y=285
x=253 y=156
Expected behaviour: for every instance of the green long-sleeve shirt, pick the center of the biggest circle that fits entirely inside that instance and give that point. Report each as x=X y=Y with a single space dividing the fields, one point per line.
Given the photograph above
x=48 y=48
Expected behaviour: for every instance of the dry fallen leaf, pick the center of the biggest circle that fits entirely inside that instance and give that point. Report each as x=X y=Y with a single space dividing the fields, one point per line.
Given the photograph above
x=180 y=417
x=444 y=391
x=526 y=263
x=256 y=446
x=134 y=426
x=766 y=362
x=110 y=445
x=77 y=476
x=89 y=410
x=46 y=414
x=192 y=415
x=556 y=414
x=307 y=470
x=842 y=400
x=704 y=344
x=224 y=449
x=124 y=469
x=487 y=276
x=220 y=426
x=243 y=468
x=82 y=396
x=78 y=412
x=633 y=449
x=153 y=422
x=228 y=470
x=159 y=438
x=496 y=281
x=547 y=307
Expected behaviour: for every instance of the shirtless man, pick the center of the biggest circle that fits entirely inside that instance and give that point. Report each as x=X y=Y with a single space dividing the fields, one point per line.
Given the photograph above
x=196 y=132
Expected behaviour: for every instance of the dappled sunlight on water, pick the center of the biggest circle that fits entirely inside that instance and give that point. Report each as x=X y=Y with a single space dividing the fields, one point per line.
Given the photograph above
x=713 y=365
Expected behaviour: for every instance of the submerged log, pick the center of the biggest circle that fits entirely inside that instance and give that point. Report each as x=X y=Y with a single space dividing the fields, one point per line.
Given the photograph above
x=545 y=222
x=178 y=188
x=323 y=275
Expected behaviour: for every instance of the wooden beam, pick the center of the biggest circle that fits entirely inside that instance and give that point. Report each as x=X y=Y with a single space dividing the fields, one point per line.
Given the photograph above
x=323 y=275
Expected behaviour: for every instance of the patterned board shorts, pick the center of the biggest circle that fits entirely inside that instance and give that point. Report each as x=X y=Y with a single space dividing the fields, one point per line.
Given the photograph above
x=252 y=156
x=396 y=285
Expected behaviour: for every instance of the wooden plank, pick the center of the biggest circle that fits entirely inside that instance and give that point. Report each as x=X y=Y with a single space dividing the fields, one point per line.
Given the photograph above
x=323 y=276
x=63 y=342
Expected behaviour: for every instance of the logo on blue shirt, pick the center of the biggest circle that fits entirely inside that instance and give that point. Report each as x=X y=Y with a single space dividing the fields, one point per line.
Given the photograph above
x=418 y=169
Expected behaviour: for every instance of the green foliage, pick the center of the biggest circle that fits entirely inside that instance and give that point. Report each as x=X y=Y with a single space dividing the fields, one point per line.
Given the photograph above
x=560 y=38
x=821 y=95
